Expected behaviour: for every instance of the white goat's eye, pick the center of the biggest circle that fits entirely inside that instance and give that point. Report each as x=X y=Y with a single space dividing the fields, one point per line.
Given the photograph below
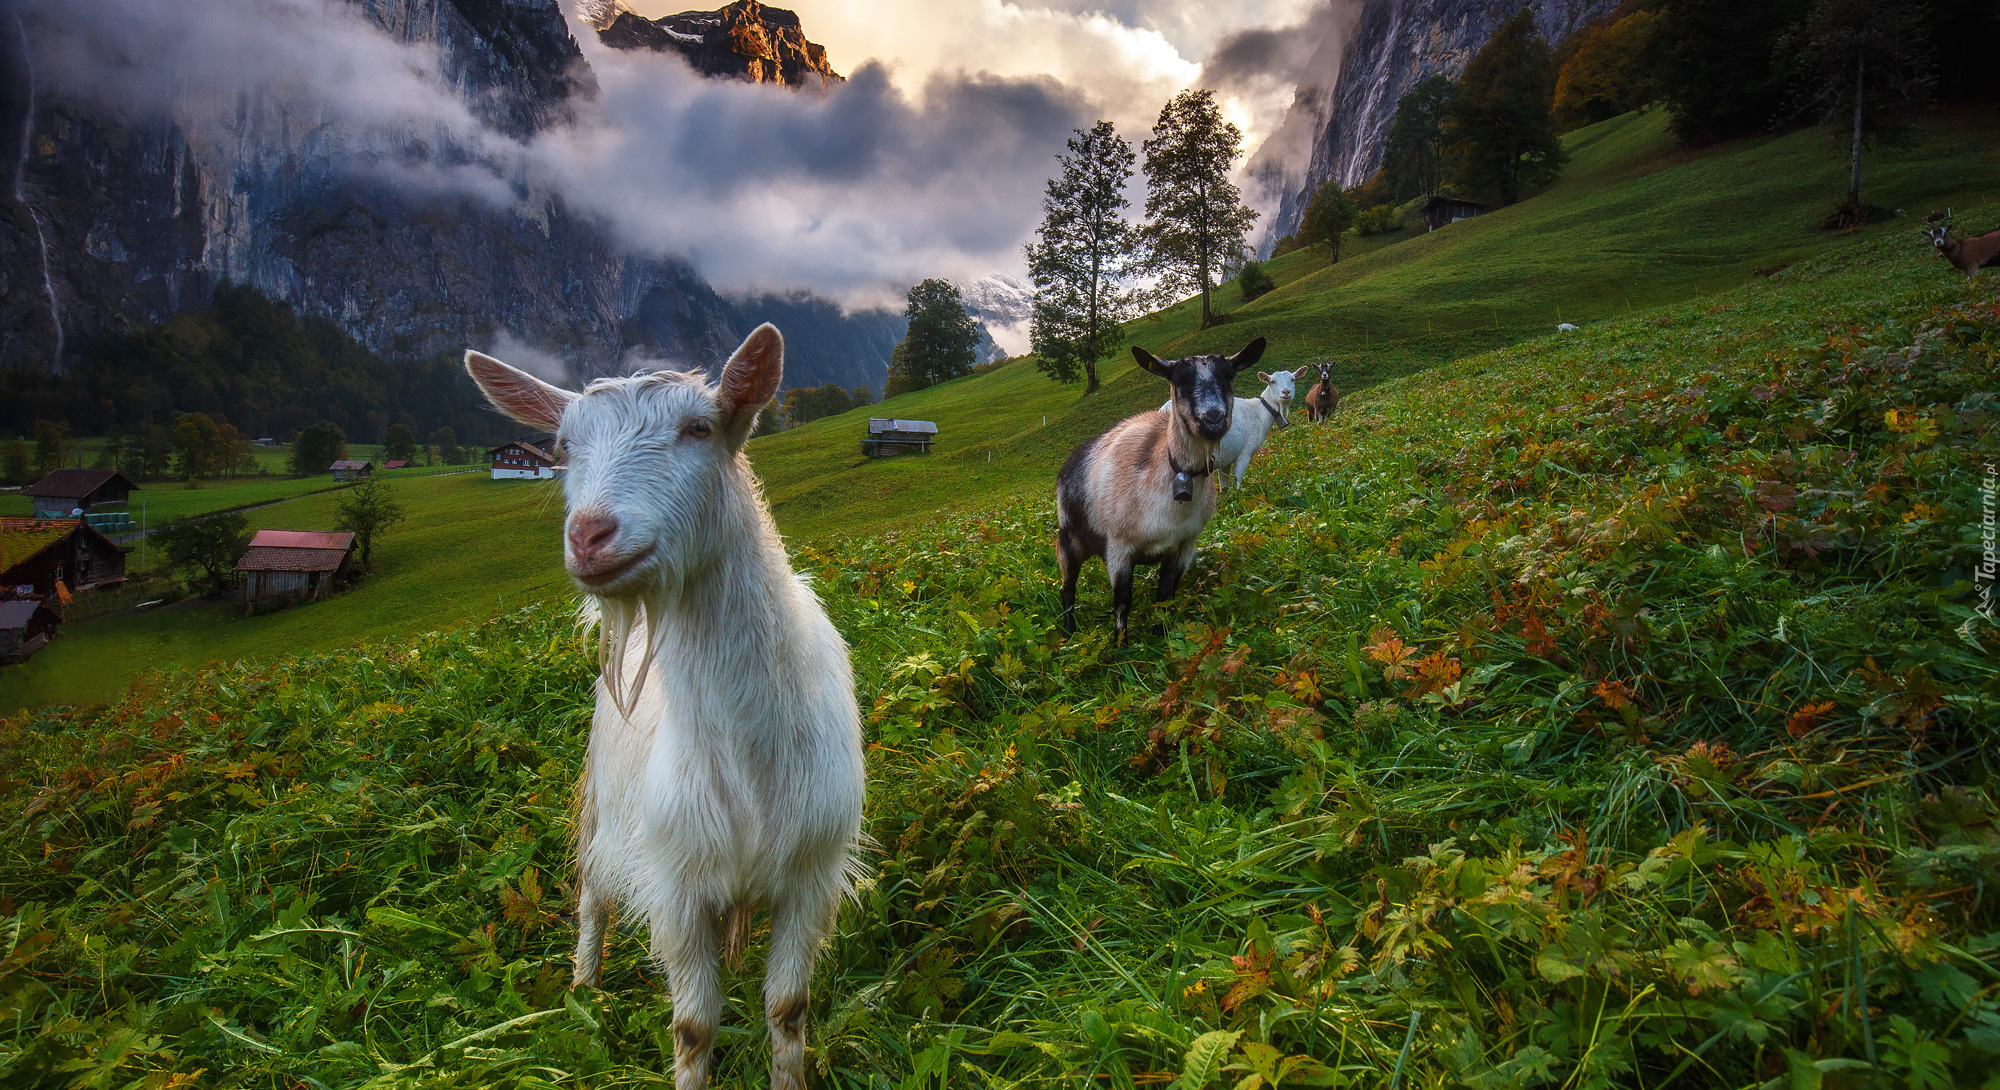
x=696 y=429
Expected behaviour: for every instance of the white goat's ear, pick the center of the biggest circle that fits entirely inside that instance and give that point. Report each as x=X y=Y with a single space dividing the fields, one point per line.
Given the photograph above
x=1303 y=372
x=1264 y=378
x=518 y=393
x=1152 y=363
x=750 y=379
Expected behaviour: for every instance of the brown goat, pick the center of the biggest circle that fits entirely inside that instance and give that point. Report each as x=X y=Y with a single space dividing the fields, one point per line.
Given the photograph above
x=1968 y=255
x=1324 y=397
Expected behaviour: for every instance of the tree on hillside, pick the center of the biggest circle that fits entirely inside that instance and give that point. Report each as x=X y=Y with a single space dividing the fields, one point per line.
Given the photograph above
x=1084 y=253
x=196 y=446
x=1413 y=157
x=1196 y=219
x=1500 y=125
x=51 y=446
x=1253 y=281
x=366 y=510
x=804 y=404
x=1864 y=63
x=1603 y=72
x=1327 y=216
x=16 y=464
x=318 y=447
x=399 y=444
x=1716 y=65
x=942 y=341
x=446 y=442
x=207 y=544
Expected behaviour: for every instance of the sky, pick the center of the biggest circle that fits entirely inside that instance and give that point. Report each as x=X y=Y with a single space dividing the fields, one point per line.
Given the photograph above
x=929 y=160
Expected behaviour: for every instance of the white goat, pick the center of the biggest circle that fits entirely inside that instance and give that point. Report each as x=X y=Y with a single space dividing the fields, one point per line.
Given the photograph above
x=724 y=768
x=1251 y=422
x=1565 y=327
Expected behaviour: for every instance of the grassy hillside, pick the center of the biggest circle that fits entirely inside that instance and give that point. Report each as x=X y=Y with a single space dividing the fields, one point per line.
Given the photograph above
x=1609 y=710
x=1632 y=223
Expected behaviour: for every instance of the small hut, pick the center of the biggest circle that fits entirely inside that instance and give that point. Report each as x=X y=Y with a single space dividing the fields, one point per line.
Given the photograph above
x=294 y=564
x=351 y=470
x=67 y=490
x=37 y=554
x=888 y=437
x=1439 y=211
x=25 y=625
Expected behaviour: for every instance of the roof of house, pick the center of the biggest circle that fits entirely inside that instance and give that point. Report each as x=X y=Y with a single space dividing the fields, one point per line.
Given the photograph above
x=18 y=614
x=21 y=539
x=74 y=482
x=879 y=424
x=350 y=463
x=527 y=446
x=398 y=463
x=301 y=539
x=295 y=550
x=1454 y=202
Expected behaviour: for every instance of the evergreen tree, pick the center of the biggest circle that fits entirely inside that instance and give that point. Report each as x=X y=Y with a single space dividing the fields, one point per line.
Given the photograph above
x=367 y=510
x=1500 y=125
x=17 y=463
x=399 y=444
x=156 y=449
x=1083 y=254
x=208 y=544
x=1863 y=63
x=317 y=448
x=1717 y=66
x=1413 y=157
x=942 y=340
x=1196 y=219
x=1328 y=216
x=51 y=446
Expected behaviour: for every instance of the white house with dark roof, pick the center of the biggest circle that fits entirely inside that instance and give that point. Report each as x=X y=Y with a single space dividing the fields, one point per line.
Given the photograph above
x=521 y=460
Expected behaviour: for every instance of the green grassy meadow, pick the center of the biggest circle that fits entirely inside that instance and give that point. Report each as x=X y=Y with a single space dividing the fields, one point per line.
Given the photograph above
x=1601 y=711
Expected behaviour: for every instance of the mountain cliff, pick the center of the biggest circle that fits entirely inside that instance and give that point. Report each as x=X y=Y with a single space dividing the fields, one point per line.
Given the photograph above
x=1391 y=46
x=746 y=40
x=115 y=218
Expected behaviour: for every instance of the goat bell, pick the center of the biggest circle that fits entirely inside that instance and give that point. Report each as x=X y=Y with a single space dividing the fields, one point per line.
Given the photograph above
x=1183 y=487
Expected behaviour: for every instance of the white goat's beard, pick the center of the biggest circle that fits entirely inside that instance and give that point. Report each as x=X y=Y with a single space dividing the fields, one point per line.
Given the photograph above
x=618 y=621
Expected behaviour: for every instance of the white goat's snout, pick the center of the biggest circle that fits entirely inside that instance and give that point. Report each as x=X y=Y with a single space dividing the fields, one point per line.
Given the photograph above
x=596 y=550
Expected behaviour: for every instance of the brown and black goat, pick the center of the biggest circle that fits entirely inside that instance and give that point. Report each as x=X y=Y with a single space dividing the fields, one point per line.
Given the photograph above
x=1141 y=492
x=1324 y=397
x=1969 y=254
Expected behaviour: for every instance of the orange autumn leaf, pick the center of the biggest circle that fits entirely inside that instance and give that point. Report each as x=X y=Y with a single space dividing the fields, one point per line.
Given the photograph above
x=1434 y=672
x=1807 y=719
x=1389 y=650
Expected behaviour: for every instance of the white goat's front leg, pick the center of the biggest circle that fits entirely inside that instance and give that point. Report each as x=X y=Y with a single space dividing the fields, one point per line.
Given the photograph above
x=799 y=924
x=686 y=944
x=1242 y=467
x=592 y=912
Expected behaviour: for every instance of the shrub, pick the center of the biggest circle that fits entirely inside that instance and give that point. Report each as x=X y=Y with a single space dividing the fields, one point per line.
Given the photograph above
x=1379 y=220
x=1254 y=280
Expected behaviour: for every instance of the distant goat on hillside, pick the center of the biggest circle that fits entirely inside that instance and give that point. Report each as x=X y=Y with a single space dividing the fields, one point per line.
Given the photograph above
x=1967 y=255
x=724 y=768
x=1324 y=397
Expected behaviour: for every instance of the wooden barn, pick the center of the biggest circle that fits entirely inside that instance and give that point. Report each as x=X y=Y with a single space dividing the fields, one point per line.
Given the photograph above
x=1439 y=211
x=522 y=460
x=888 y=437
x=294 y=565
x=36 y=554
x=67 y=490
x=25 y=625
x=350 y=470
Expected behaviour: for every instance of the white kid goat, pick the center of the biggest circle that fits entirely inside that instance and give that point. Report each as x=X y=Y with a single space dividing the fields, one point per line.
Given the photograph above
x=724 y=768
x=1252 y=421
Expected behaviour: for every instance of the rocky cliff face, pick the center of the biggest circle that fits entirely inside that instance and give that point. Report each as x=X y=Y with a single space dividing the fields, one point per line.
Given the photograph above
x=108 y=222
x=745 y=40
x=1393 y=45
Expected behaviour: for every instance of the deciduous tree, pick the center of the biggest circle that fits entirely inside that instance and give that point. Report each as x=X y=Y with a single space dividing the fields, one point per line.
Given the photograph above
x=207 y=544
x=1864 y=63
x=1603 y=71
x=942 y=340
x=446 y=442
x=1083 y=254
x=51 y=446
x=1196 y=219
x=1413 y=158
x=1717 y=65
x=200 y=449
x=399 y=443
x=1328 y=216
x=1500 y=125
x=367 y=510
x=318 y=447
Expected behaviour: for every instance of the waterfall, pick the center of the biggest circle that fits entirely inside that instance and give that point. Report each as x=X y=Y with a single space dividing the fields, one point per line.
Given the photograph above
x=20 y=171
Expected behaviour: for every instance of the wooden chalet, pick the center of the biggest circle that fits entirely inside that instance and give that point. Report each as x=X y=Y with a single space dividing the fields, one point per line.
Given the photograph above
x=348 y=469
x=294 y=565
x=887 y=437
x=522 y=460
x=25 y=625
x=37 y=554
x=1439 y=211
x=65 y=491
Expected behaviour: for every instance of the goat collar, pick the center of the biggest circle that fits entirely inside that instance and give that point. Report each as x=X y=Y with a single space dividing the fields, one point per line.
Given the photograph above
x=1277 y=417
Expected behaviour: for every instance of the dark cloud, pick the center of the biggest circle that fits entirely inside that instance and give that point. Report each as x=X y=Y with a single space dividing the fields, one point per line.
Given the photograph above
x=1267 y=55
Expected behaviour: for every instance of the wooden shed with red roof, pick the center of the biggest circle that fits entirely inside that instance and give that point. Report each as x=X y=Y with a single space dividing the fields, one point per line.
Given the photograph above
x=39 y=553
x=294 y=564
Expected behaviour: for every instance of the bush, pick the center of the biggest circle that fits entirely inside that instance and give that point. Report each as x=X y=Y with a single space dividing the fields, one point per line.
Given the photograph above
x=1254 y=280
x=1379 y=220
